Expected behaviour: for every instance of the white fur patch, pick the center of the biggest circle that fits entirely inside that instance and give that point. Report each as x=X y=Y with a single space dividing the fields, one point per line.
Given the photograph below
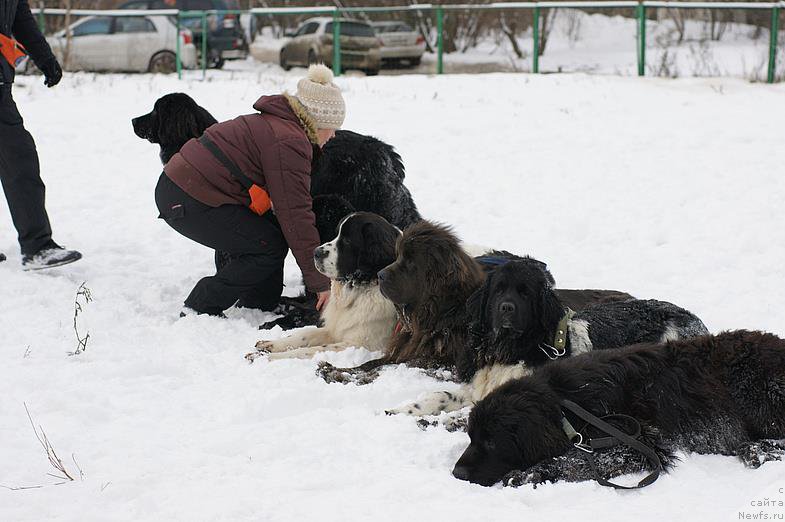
x=355 y=315
x=328 y=265
x=670 y=333
x=580 y=342
x=484 y=382
x=491 y=377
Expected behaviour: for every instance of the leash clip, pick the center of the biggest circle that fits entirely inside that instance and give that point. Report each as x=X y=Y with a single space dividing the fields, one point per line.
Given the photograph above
x=547 y=349
x=581 y=446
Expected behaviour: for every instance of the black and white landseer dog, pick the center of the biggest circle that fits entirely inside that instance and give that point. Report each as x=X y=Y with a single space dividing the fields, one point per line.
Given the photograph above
x=357 y=314
x=721 y=394
x=430 y=283
x=519 y=322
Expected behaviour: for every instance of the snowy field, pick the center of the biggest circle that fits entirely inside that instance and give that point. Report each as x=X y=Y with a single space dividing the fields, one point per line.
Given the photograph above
x=667 y=189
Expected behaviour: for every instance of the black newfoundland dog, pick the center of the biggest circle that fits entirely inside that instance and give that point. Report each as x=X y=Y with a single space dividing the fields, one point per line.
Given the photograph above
x=430 y=283
x=721 y=394
x=518 y=321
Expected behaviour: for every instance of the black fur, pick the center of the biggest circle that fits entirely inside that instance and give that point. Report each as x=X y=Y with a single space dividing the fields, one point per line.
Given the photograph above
x=721 y=394
x=351 y=173
x=368 y=174
x=515 y=314
x=175 y=119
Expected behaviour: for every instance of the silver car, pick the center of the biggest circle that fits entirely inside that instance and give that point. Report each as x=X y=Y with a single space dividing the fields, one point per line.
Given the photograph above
x=312 y=42
x=400 y=42
x=123 y=44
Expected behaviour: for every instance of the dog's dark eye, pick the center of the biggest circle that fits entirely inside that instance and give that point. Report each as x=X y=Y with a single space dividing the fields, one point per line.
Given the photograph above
x=489 y=445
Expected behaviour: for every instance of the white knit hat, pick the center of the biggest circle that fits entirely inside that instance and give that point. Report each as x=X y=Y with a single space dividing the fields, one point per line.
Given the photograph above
x=322 y=98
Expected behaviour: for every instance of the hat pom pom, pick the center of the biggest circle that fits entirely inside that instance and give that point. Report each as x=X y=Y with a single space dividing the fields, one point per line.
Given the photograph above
x=320 y=73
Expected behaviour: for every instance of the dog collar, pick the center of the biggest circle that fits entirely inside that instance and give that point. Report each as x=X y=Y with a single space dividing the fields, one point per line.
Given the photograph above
x=559 y=347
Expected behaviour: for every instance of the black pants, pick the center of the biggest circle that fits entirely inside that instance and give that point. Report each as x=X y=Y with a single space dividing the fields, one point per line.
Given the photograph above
x=256 y=245
x=21 y=179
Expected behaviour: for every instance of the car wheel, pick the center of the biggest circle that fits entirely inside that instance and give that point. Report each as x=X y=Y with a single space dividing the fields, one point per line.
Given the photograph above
x=312 y=59
x=415 y=62
x=372 y=72
x=284 y=64
x=164 y=62
x=214 y=59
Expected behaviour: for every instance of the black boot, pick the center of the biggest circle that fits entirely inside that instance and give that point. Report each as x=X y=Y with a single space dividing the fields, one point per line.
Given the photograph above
x=50 y=256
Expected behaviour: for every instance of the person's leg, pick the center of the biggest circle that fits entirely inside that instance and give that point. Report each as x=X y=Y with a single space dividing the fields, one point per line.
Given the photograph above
x=21 y=180
x=255 y=245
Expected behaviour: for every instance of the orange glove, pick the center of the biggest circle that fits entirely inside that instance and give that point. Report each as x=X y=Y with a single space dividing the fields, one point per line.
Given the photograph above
x=260 y=200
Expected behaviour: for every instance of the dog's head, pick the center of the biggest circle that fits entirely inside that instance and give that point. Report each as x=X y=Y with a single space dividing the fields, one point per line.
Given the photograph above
x=515 y=427
x=365 y=244
x=431 y=265
x=175 y=119
x=516 y=301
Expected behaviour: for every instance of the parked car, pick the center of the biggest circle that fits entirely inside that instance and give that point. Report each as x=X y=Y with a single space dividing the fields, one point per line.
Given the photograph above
x=226 y=39
x=122 y=44
x=312 y=42
x=399 y=42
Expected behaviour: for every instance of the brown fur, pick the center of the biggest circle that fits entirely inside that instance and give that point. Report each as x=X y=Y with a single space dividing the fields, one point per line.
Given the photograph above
x=442 y=276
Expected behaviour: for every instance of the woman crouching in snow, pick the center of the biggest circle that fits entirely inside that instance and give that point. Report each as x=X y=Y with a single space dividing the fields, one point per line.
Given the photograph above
x=244 y=188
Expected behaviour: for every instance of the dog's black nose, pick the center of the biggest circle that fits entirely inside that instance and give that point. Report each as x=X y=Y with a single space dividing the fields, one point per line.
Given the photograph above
x=460 y=472
x=507 y=307
x=319 y=253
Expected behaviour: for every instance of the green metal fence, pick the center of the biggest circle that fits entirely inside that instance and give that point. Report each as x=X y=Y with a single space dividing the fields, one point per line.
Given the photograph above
x=640 y=8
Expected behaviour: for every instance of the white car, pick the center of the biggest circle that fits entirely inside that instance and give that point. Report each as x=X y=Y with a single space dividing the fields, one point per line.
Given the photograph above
x=123 y=44
x=399 y=42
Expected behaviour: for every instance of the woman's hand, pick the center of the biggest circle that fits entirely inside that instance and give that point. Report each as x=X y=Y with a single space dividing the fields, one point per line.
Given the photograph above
x=321 y=299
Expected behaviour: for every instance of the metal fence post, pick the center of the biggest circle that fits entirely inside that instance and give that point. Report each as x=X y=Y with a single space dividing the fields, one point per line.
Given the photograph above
x=204 y=44
x=536 y=38
x=177 y=55
x=41 y=21
x=641 y=39
x=773 y=34
x=336 y=43
x=439 y=40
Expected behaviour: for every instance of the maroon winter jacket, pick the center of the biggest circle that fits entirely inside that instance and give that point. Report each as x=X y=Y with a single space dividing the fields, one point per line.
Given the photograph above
x=274 y=149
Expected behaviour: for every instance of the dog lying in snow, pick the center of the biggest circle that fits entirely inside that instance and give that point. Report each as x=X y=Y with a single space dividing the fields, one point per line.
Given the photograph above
x=357 y=314
x=518 y=322
x=722 y=394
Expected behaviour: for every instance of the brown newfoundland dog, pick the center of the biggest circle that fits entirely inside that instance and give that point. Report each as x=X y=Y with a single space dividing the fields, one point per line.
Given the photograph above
x=430 y=283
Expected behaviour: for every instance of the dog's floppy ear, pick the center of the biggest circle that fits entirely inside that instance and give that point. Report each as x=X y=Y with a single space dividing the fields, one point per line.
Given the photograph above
x=378 y=248
x=179 y=122
x=204 y=119
x=551 y=309
x=476 y=306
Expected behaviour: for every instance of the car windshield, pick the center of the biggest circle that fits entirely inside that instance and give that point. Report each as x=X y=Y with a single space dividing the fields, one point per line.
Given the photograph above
x=351 y=29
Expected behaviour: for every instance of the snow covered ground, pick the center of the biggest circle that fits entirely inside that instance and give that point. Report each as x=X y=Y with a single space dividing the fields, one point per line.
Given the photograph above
x=600 y=44
x=667 y=189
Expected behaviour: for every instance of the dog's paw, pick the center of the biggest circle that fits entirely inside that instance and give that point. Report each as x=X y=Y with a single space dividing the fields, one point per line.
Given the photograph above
x=755 y=454
x=517 y=478
x=252 y=356
x=331 y=374
x=264 y=346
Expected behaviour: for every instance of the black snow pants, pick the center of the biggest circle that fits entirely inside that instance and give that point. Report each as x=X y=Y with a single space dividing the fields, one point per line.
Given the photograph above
x=257 y=247
x=21 y=179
